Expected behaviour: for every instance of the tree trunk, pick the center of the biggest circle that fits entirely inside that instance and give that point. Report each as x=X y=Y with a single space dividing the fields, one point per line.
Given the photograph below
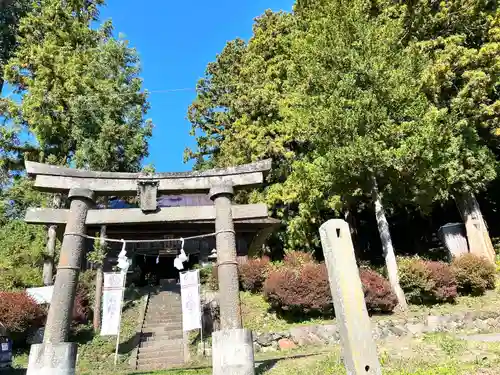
x=387 y=247
x=48 y=263
x=99 y=278
x=477 y=231
x=351 y=220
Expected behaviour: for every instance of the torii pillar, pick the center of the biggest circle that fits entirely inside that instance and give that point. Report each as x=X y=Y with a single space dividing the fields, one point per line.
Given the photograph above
x=57 y=356
x=232 y=346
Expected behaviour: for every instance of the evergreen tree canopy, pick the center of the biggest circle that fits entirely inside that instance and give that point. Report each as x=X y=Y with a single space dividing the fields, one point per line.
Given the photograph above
x=80 y=88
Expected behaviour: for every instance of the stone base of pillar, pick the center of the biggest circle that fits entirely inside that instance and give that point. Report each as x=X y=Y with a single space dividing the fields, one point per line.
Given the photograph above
x=52 y=359
x=232 y=352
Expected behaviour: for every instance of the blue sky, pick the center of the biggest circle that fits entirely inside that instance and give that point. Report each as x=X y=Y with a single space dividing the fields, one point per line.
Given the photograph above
x=176 y=40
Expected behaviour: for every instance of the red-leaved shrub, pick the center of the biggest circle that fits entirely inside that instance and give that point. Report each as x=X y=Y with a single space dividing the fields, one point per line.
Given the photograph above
x=306 y=290
x=297 y=259
x=20 y=314
x=379 y=296
x=303 y=291
x=445 y=283
x=253 y=274
x=474 y=275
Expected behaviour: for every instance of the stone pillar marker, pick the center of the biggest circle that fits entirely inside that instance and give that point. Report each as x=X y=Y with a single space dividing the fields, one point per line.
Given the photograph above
x=358 y=347
x=232 y=346
x=56 y=355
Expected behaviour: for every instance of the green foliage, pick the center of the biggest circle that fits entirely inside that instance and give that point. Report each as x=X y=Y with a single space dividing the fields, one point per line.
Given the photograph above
x=474 y=275
x=461 y=40
x=22 y=249
x=98 y=253
x=334 y=94
x=11 y=12
x=427 y=282
x=18 y=197
x=86 y=282
x=80 y=88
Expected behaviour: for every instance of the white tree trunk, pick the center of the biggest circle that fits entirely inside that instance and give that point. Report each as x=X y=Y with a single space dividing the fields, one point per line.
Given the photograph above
x=477 y=231
x=387 y=247
x=48 y=263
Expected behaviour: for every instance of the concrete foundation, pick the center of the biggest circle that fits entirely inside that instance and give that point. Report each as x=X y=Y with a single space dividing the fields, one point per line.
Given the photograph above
x=232 y=352
x=52 y=359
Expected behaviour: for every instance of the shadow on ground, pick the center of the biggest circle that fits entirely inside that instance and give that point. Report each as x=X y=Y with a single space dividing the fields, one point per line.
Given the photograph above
x=13 y=371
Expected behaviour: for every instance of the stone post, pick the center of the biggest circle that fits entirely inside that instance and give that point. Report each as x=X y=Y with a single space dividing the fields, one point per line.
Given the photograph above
x=55 y=355
x=230 y=313
x=232 y=346
x=358 y=347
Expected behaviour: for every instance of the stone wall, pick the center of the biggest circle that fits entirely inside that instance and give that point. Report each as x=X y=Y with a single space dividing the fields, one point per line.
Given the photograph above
x=327 y=334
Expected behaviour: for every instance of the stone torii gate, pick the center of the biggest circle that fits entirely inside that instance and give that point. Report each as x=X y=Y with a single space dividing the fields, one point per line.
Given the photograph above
x=232 y=346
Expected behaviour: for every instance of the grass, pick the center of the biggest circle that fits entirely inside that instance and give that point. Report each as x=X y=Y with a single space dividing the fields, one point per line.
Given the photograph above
x=258 y=316
x=96 y=353
x=433 y=354
x=438 y=354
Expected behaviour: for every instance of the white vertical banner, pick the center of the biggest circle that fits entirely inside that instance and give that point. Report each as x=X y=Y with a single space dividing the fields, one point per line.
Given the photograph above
x=190 y=299
x=112 y=303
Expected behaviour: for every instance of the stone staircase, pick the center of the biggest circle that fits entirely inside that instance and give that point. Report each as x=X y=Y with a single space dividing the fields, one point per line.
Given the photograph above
x=162 y=342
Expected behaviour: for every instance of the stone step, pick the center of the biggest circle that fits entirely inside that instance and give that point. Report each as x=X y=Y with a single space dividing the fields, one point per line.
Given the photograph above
x=178 y=333
x=161 y=343
x=158 y=363
x=165 y=299
x=167 y=314
x=162 y=323
x=164 y=353
x=163 y=309
x=157 y=366
x=155 y=337
x=159 y=321
x=150 y=336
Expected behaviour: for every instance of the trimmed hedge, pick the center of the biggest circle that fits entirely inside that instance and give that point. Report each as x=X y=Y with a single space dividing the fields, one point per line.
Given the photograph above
x=474 y=275
x=306 y=290
x=427 y=282
x=303 y=291
x=379 y=296
x=20 y=314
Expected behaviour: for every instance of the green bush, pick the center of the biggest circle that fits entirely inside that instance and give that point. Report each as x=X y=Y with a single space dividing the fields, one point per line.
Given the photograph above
x=86 y=282
x=22 y=249
x=427 y=282
x=474 y=275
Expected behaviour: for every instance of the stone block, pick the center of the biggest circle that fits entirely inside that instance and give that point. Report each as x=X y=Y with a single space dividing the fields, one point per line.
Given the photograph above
x=52 y=359
x=416 y=329
x=232 y=352
x=286 y=344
